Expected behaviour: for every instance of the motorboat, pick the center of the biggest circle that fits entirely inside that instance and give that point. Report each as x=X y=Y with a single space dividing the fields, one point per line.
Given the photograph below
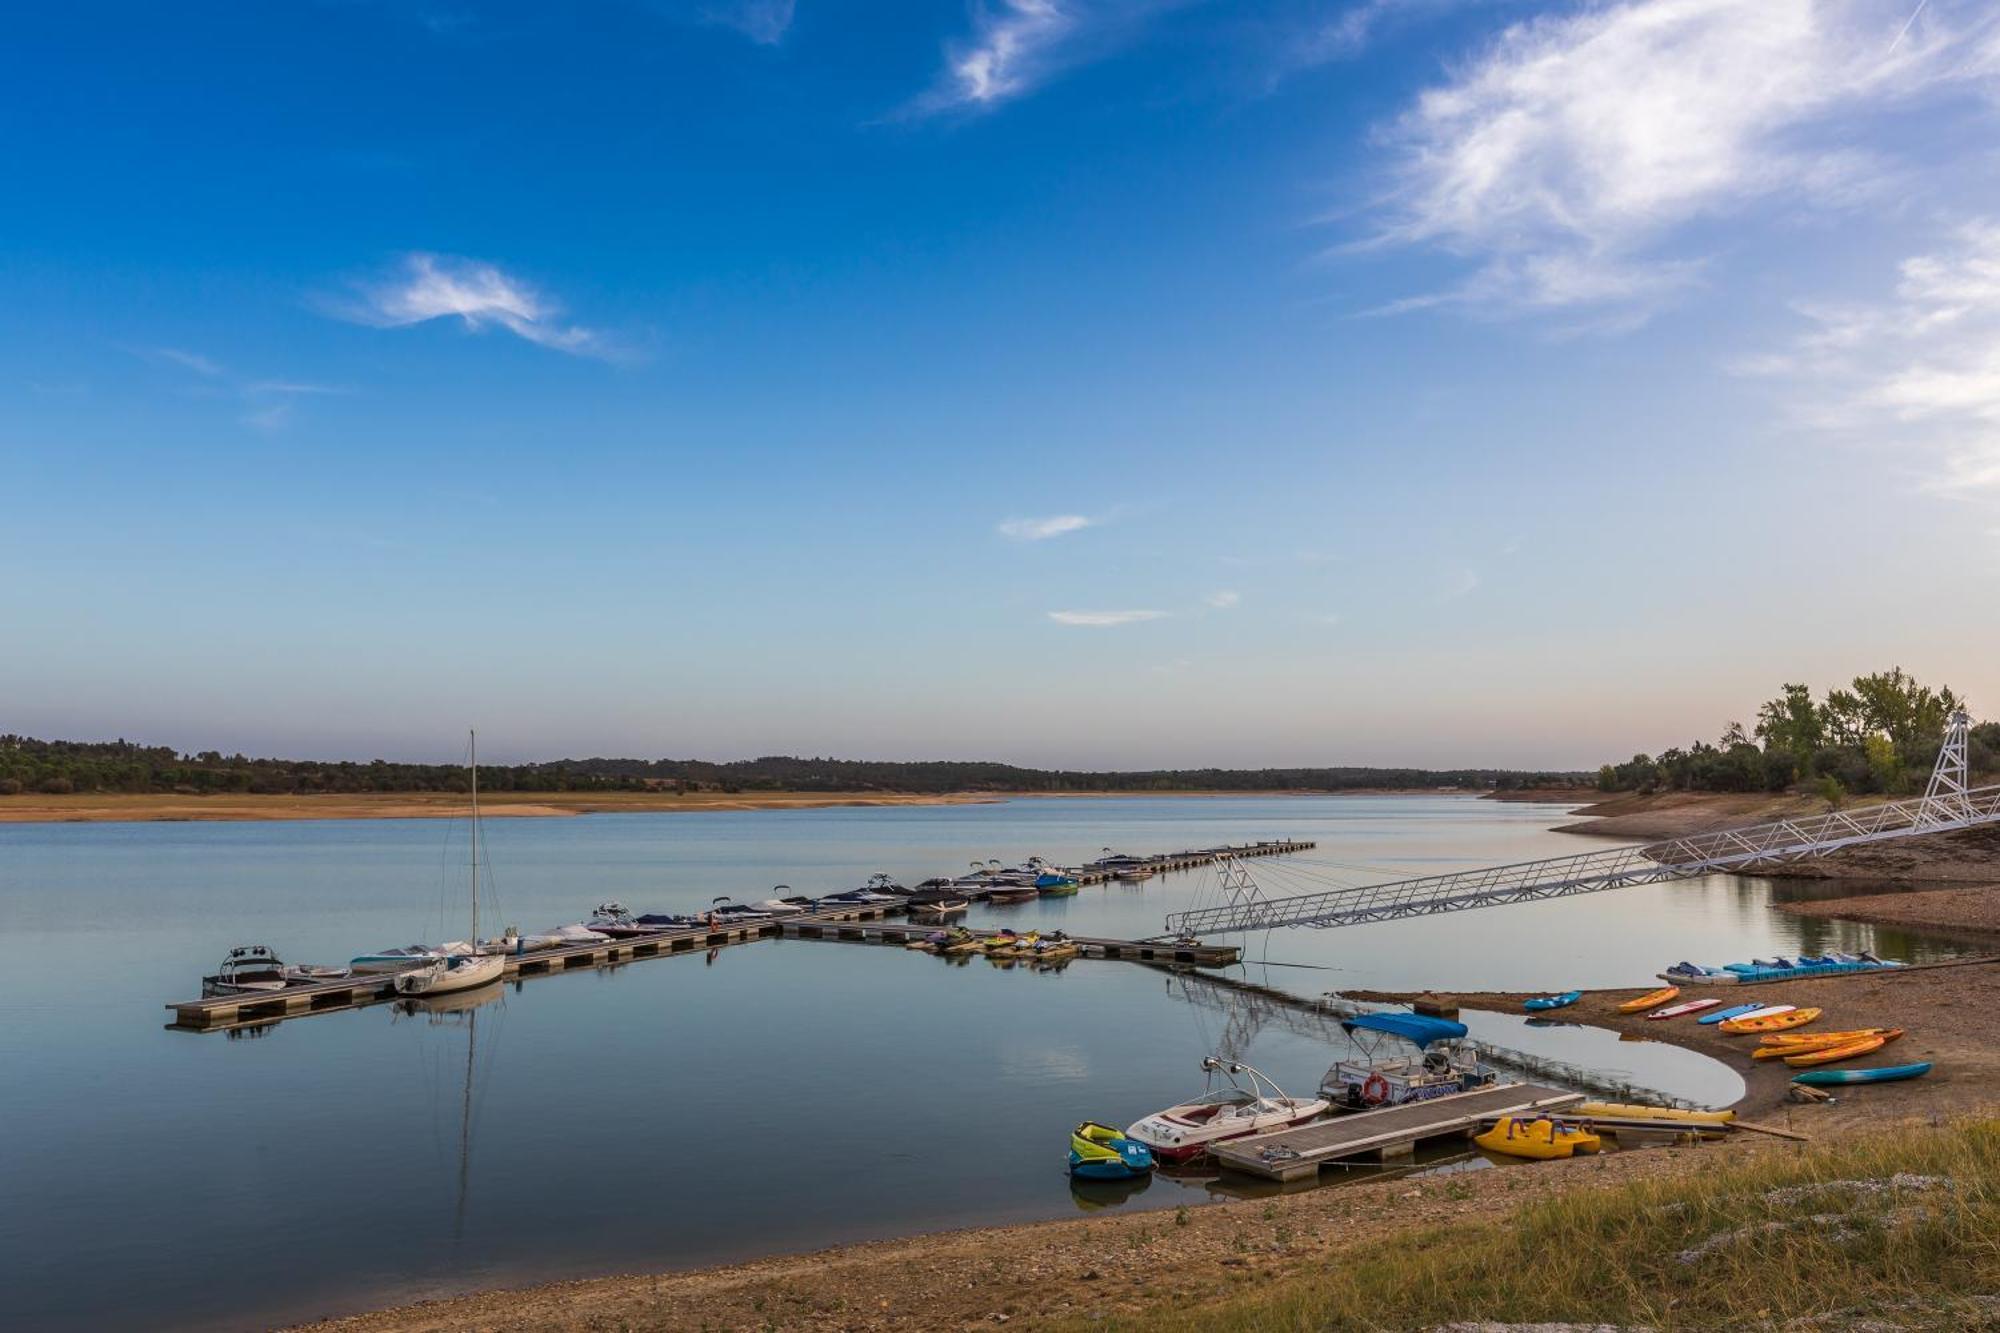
x=651 y=923
x=248 y=968
x=783 y=902
x=1054 y=884
x=883 y=882
x=306 y=974
x=938 y=902
x=1444 y=1063
x=864 y=897
x=1186 y=1131
x=736 y=913
x=613 y=922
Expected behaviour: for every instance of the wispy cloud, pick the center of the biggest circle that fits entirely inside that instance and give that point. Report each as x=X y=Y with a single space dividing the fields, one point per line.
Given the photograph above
x=762 y=21
x=268 y=402
x=479 y=295
x=195 y=361
x=1102 y=618
x=1041 y=529
x=1921 y=370
x=1460 y=583
x=1564 y=157
x=1016 y=46
x=1224 y=600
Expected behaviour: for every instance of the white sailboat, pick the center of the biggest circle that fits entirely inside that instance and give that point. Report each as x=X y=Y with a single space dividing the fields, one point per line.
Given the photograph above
x=459 y=971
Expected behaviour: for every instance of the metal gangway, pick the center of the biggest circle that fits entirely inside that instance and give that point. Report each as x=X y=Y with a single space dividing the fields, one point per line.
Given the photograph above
x=1948 y=803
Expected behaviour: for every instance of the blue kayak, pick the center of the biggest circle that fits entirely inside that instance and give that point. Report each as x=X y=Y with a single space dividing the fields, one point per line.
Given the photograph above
x=1832 y=1078
x=1563 y=1001
x=1733 y=1011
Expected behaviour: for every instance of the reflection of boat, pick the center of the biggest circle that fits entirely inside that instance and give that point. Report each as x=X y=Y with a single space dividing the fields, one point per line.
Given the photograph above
x=1092 y=1195
x=459 y=971
x=1541 y=1138
x=1230 y=1112
x=1445 y=1062
x=249 y=967
x=1099 y=1152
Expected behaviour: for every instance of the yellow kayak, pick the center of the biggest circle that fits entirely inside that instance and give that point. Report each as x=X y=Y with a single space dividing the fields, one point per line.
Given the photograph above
x=1539 y=1138
x=1816 y=1038
x=1645 y=1002
x=1833 y=1053
x=1823 y=1041
x=1627 y=1111
x=1791 y=1018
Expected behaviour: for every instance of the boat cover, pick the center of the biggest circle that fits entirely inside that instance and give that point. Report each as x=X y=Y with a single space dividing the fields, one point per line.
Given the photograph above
x=1411 y=1027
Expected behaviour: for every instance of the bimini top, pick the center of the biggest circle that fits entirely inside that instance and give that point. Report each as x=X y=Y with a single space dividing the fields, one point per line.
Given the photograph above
x=1411 y=1027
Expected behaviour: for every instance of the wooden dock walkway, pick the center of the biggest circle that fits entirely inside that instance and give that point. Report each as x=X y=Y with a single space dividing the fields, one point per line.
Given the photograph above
x=1098 y=873
x=1393 y=1131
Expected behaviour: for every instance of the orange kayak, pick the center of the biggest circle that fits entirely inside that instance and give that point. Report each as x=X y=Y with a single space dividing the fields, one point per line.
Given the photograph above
x=1833 y=1053
x=1818 y=1038
x=1791 y=1018
x=1823 y=1041
x=1658 y=997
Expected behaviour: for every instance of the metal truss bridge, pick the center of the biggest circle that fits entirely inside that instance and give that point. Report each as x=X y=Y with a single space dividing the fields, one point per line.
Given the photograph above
x=1947 y=804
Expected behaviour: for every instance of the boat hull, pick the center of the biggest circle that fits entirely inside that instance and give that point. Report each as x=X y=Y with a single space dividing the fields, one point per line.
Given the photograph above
x=469 y=974
x=1831 y=1078
x=1179 y=1154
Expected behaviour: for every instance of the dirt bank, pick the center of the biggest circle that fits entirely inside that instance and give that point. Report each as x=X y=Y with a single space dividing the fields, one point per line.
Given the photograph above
x=1970 y=856
x=1945 y=1009
x=38 y=809
x=1969 y=909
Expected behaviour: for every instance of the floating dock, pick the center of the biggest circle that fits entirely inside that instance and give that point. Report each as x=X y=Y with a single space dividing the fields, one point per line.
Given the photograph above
x=1377 y=1136
x=1162 y=952
x=857 y=922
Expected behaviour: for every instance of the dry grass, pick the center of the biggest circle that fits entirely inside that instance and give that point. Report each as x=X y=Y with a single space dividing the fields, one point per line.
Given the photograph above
x=1905 y=1229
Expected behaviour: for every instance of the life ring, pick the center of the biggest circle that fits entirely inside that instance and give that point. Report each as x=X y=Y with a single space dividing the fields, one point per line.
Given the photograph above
x=1376 y=1090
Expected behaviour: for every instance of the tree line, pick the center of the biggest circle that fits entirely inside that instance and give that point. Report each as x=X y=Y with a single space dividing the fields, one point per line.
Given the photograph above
x=1880 y=735
x=60 y=767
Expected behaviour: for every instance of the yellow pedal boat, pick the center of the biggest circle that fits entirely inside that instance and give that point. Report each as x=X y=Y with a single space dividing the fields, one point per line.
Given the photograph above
x=1791 y=1018
x=1653 y=1001
x=1540 y=1138
x=1628 y=1111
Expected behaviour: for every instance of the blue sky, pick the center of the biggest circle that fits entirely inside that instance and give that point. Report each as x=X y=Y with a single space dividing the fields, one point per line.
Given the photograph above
x=1104 y=383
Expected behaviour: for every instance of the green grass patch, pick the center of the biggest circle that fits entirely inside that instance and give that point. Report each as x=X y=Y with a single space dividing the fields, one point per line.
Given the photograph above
x=1906 y=1228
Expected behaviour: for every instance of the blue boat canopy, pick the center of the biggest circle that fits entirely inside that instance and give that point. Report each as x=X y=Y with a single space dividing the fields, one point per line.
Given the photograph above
x=1411 y=1027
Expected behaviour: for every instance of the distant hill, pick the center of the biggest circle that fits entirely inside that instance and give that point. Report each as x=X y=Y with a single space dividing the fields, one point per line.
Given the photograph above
x=33 y=765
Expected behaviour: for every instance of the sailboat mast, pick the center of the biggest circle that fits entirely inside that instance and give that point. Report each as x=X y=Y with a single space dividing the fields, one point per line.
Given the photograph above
x=473 y=741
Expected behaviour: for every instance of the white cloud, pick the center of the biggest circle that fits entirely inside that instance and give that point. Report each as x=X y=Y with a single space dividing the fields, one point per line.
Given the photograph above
x=1104 y=617
x=1223 y=600
x=1008 y=49
x=1461 y=583
x=1920 y=370
x=1041 y=529
x=480 y=295
x=762 y=21
x=275 y=417
x=1016 y=46
x=194 y=361
x=1564 y=157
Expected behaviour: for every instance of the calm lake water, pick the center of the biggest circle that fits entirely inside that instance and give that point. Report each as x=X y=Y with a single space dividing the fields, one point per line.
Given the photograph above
x=779 y=1096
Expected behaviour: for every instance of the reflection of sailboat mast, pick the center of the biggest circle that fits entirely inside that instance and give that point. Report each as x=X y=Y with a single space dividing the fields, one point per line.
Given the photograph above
x=465 y=1126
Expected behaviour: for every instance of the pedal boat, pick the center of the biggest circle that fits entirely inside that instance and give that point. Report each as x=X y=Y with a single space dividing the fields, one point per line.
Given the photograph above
x=1184 y=1132
x=1099 y=1152
x=1540 y=1138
